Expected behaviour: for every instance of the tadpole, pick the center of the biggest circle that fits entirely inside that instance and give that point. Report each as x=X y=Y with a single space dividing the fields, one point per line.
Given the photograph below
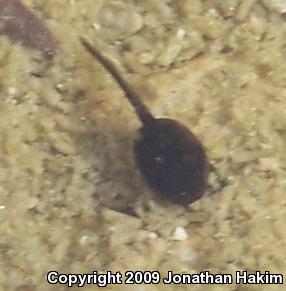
x=171 y=158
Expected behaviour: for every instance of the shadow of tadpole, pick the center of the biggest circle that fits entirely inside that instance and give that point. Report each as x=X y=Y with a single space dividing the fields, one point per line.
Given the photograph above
x=21 y=25
x=108 y=147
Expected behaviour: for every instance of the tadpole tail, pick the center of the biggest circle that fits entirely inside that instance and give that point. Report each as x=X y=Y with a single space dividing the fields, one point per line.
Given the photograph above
x=142 y=111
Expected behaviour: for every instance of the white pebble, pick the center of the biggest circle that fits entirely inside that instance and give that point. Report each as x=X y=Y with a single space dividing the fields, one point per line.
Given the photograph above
x=180 y=234
x=12 y=90
x=153 y=235
x=83 y=239
x=181 y=33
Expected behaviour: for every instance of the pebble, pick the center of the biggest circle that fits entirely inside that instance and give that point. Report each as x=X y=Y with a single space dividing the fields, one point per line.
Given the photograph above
x=120 y=17
x=180 y=234
x=153 y=235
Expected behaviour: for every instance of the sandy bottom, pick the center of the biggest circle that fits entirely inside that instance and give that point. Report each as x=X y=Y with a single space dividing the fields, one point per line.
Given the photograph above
x=68 y=182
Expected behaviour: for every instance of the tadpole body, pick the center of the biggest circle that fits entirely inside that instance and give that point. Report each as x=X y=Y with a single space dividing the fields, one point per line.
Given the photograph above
x=169 y=156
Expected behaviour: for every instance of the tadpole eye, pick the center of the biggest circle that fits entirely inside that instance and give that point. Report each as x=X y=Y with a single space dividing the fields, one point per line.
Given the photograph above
x=159 y=160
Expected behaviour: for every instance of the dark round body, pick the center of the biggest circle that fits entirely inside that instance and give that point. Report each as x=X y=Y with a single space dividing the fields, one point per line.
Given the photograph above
x=172 y=160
